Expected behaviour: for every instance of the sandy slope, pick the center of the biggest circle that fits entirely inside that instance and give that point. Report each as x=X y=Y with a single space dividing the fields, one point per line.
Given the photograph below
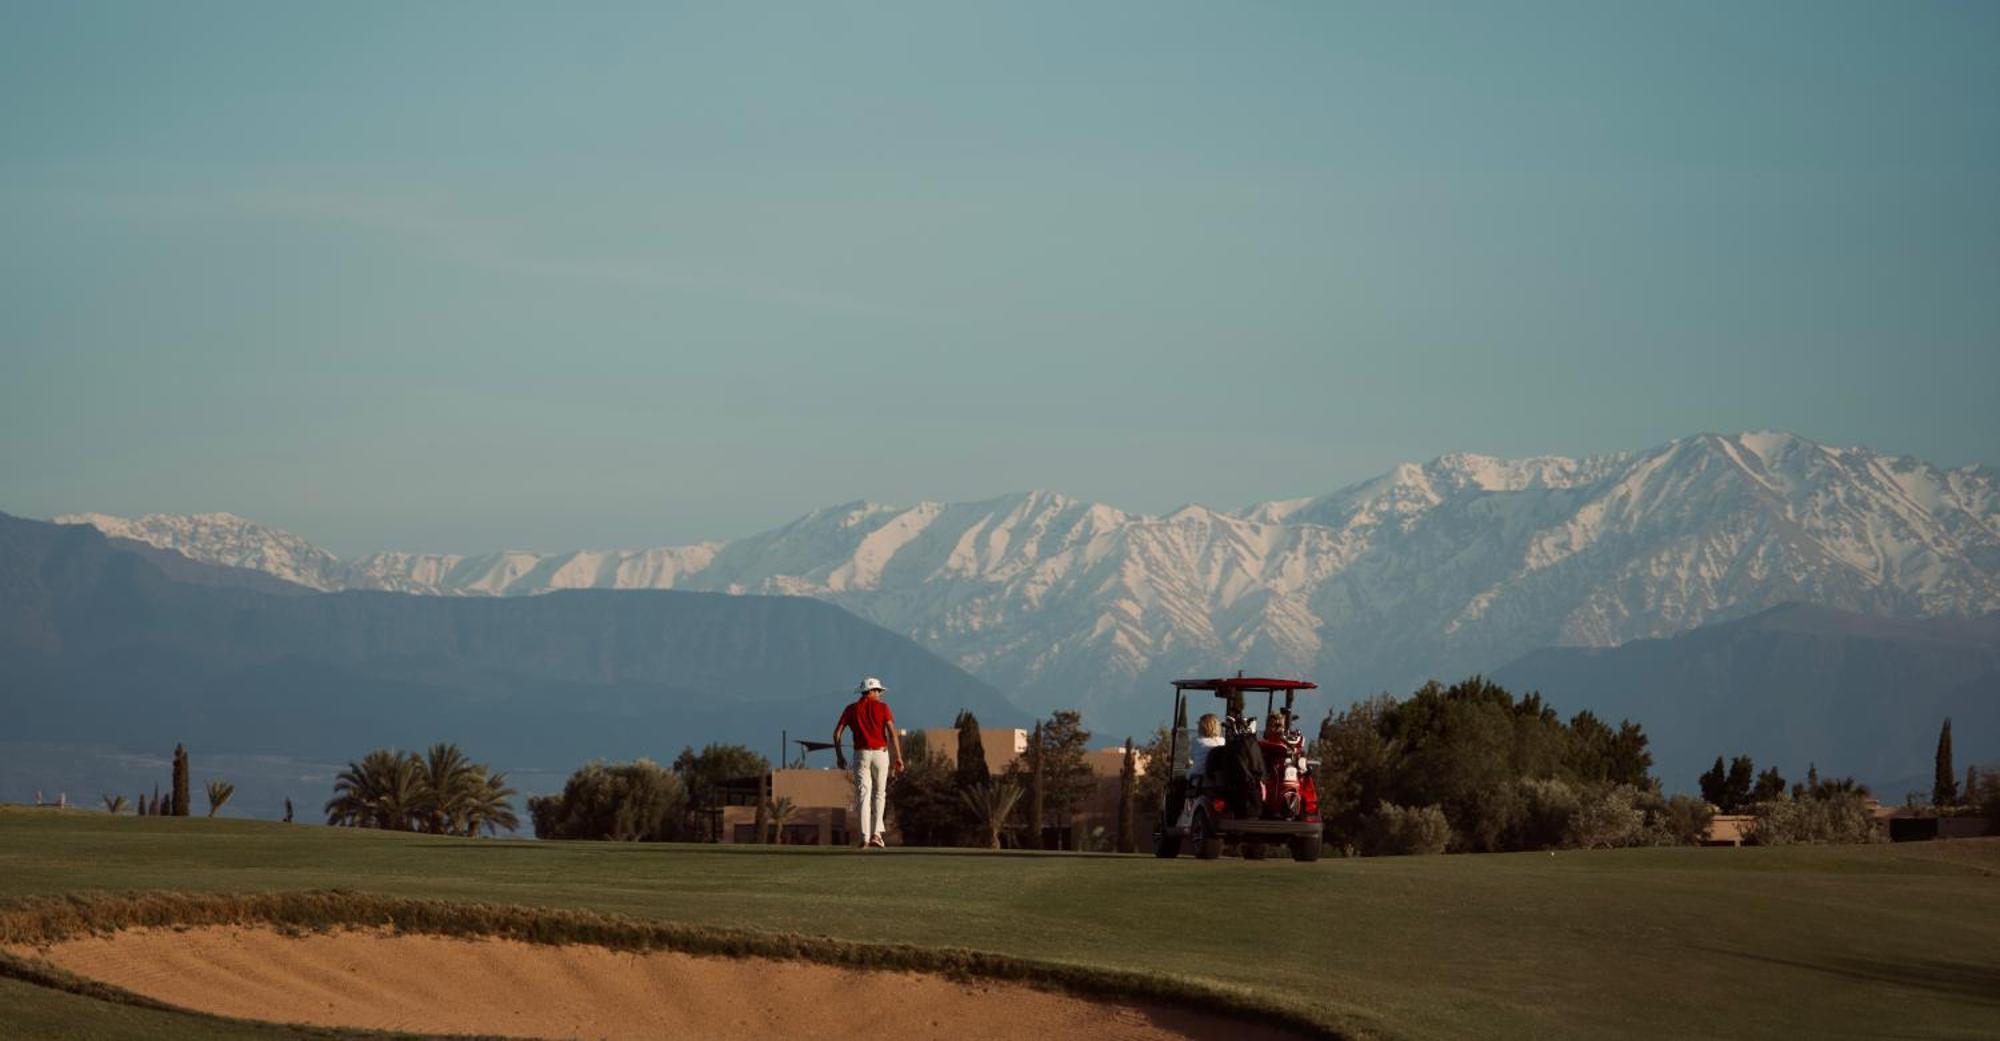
x=438 y=985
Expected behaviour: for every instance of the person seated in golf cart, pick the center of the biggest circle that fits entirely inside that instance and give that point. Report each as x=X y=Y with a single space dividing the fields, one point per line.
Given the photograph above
x=1232 y=764
x=1207 y=739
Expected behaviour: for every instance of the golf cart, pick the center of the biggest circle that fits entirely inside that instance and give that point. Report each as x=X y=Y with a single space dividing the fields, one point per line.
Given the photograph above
x=1257 y=789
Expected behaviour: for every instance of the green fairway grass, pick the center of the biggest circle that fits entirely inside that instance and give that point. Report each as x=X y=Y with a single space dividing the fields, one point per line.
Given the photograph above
x=1850 y=942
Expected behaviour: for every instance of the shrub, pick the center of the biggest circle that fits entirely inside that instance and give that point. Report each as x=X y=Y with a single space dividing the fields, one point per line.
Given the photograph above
x=1841 y=818
x=1398 y=831
x=627 y=802
x=1548 y=809
x=1681 y=820
x=1607 y=818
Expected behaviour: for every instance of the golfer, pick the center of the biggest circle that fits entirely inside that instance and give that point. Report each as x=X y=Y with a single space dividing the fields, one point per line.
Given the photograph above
x=878 y=753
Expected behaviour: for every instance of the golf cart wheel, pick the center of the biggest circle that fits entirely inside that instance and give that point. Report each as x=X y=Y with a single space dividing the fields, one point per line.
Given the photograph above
x=1306 y=847
x=1207 y=842
x=1253 y=850
x=1166 y=847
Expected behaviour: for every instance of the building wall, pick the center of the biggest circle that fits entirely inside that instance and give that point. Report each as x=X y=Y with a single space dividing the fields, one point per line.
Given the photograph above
x=1729 y=829
x=823 y=800
x=1002 y=747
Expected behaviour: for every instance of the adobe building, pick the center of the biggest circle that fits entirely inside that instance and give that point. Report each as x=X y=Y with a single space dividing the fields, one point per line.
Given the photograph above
x=822 y=801
x=1001 y=746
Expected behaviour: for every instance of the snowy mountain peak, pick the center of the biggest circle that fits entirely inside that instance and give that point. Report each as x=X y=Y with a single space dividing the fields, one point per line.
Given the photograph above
x=1441 y=568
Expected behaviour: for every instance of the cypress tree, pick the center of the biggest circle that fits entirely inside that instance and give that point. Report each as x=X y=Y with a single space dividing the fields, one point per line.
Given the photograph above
x=183 y=803
x=1035 y=789
x=1128 y=776
x=1944 y=791
x=288 y=810
x=142 y=804
x=157 y=811
x=972 y=770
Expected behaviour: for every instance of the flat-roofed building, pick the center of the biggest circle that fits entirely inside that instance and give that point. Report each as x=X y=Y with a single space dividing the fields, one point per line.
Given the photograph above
x=1002 y=746
x=822 y=803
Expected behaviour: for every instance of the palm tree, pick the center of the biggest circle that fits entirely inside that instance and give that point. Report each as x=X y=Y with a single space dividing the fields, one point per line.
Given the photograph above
x=991 y=804
x=780 y=812
x=219 y=793
x=448 y=784
x=383 y=790
x=487 y=803
x=114 y=803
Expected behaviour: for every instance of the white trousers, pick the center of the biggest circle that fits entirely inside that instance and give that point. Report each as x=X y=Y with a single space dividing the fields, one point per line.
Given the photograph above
x=871 y=790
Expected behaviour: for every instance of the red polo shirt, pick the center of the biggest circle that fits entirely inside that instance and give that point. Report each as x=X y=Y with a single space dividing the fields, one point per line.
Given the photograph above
x=870 y=718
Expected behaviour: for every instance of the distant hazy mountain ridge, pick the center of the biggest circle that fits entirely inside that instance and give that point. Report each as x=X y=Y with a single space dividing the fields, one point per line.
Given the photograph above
x=98 y=644
x=1460 y=564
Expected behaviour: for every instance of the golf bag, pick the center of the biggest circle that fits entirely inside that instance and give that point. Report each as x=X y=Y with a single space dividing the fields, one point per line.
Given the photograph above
x=1237 y=769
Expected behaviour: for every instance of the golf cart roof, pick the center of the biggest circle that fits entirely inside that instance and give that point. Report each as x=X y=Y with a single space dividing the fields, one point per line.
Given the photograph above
x=1258 y=684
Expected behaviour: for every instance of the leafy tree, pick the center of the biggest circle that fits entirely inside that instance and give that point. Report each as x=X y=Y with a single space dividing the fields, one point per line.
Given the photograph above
x=1066 y=776
x=989 y=806
x=1154 y=771
x=1944 y=790
x=1770 y=785
x=1736 y=788
x=115 y=804
x=625 y=802
x=1463 y=748
x=925 y=800
x=183 y=805
x=1714 y=784
x=704 y=775
x=1628 y=762
x=219 y=793
x=1358 y=765
x=1678 y=821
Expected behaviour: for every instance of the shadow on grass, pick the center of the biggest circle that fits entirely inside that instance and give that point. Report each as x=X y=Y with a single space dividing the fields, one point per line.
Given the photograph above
x=1955 y=979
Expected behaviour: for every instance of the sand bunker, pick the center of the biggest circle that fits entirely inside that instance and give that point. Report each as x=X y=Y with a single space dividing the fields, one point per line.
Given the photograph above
x=429 y=984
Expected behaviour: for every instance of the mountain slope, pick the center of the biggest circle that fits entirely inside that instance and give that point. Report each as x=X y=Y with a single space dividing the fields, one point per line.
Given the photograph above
x=1792 y=687
x=1457 y=565
x=99 y=645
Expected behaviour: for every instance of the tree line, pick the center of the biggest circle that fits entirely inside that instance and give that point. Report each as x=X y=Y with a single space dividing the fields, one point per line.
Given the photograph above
x=1470 y=767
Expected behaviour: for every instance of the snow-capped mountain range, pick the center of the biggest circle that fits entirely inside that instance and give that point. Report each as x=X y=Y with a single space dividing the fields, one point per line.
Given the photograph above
x=1457 y=565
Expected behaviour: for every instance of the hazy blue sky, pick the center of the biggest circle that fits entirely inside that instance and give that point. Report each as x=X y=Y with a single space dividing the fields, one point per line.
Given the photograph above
x=468 y=276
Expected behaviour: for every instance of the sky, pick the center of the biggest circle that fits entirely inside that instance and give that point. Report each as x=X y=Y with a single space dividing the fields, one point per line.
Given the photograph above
x=470 y=276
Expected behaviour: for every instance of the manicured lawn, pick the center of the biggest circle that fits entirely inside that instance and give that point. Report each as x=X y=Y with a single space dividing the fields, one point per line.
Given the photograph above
x=1858 y=942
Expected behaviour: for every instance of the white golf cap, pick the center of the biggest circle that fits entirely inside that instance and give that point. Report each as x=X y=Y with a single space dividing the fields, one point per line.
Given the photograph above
x=871 y=683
